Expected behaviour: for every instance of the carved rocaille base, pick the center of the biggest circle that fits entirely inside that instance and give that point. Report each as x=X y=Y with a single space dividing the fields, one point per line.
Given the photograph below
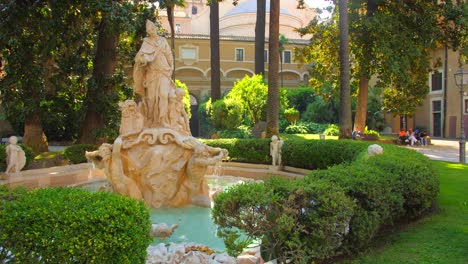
x=160 y=166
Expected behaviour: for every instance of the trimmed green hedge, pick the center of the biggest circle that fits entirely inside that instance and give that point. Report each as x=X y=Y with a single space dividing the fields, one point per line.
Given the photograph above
x=377 y=191
x=76 y=153
x=299 y=153
x=295 y=221
x=69 y=225
x=27 y=151
x=244 y=150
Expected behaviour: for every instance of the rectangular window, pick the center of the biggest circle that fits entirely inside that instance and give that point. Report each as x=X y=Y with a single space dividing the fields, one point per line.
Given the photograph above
x=178 y=28
x=188 y=53
x=265 y=56
x=437 y=118
x=466 y=106
x=239 y=54
x=436 y=81
x=287 y=56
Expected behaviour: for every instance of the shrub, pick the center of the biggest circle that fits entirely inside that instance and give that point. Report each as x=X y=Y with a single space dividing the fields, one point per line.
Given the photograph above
x=186 y=99
x=417 y=180
x=29 y=153
x=294 y=221
x=375 y=193
x=371 y=132
x=312 y=219
x=245 y=150
x=300 y=97
x=332 y=130
x=66 y=225
x=239 y=132
x=292 y=115
x=319 y=154
x=226 y=114
x=76 y=153
x=296 y=129
x=314 y=128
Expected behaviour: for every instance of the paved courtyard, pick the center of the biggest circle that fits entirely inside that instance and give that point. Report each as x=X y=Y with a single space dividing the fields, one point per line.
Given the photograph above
x=446 y=150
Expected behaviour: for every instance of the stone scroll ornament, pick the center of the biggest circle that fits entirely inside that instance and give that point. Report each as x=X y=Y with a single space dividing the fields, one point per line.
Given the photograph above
x=155 y=158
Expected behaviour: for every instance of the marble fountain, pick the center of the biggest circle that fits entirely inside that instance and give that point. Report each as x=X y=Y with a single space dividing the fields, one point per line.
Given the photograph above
x=155 y=159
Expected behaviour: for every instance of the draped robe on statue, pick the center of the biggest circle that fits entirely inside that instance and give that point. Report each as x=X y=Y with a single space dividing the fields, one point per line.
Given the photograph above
x=153 y=83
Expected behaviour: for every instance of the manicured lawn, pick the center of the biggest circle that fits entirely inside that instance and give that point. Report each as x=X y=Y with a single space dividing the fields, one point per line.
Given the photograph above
x=305 y=136
x=438 y=238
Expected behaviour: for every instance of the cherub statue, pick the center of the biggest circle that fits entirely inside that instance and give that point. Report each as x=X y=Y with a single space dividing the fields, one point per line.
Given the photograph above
x=16 y=159
x=178 y=116
x=275 y=150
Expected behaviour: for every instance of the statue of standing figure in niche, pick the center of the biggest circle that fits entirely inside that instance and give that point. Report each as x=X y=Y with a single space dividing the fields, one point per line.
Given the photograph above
x=152 y=76
x=15 y=157
x=275 y=150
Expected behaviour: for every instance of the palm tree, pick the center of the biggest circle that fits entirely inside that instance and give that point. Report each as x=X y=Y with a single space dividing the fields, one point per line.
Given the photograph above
x=345 y=90
x=273 y=65
x=282 y=41
x=260 y=37
x=170 y=5
x=214 y=49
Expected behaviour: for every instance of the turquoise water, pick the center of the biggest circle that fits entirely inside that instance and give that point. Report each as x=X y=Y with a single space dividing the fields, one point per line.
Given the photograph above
x=195 y=225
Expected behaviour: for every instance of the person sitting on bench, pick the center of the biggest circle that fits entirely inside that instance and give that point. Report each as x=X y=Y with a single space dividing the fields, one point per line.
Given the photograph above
x=402 y=136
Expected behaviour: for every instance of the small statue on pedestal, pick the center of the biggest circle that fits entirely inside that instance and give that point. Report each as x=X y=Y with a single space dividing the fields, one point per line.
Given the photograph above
x=275 y=150
x=16 y=159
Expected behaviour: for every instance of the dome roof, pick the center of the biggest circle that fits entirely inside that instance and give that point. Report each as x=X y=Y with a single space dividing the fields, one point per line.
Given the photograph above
x=251 y=7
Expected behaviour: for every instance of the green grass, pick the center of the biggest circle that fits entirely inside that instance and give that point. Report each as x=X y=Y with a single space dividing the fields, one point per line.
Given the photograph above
x=441 y=237
x=304 y=136
x=48 y=155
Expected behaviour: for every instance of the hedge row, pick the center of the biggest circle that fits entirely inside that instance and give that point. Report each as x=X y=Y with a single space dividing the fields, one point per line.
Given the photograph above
x=27 y=151
x=68 y=225
x=76 y=153
x=330 y=212
x=299 y=153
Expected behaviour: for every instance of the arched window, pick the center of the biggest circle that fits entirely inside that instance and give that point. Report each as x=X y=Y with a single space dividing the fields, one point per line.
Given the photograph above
x=194 y=10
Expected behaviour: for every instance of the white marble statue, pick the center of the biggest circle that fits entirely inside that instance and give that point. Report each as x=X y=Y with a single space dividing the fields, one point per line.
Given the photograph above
x=15 y=157
x=152 y=76
x=275 y=150
x=155 y=158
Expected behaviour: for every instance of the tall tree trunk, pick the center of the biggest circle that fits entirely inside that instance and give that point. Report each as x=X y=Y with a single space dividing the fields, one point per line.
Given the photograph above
x=214 y=48
x=361 y=108
x=170 y=17
x=260 y=37
x=104 y=69
x=34 y=136
x=273 y=65
x=345 y=90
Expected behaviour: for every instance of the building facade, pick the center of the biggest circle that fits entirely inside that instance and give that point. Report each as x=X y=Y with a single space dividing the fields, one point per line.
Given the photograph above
x=237 y=43
x=440 y=113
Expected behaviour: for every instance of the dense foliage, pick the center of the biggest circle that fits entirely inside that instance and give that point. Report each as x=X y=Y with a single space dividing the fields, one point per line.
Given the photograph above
x=76 y=153
x=49 y=52
x=27 y=151
x=338 y=209
x=69 y=225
